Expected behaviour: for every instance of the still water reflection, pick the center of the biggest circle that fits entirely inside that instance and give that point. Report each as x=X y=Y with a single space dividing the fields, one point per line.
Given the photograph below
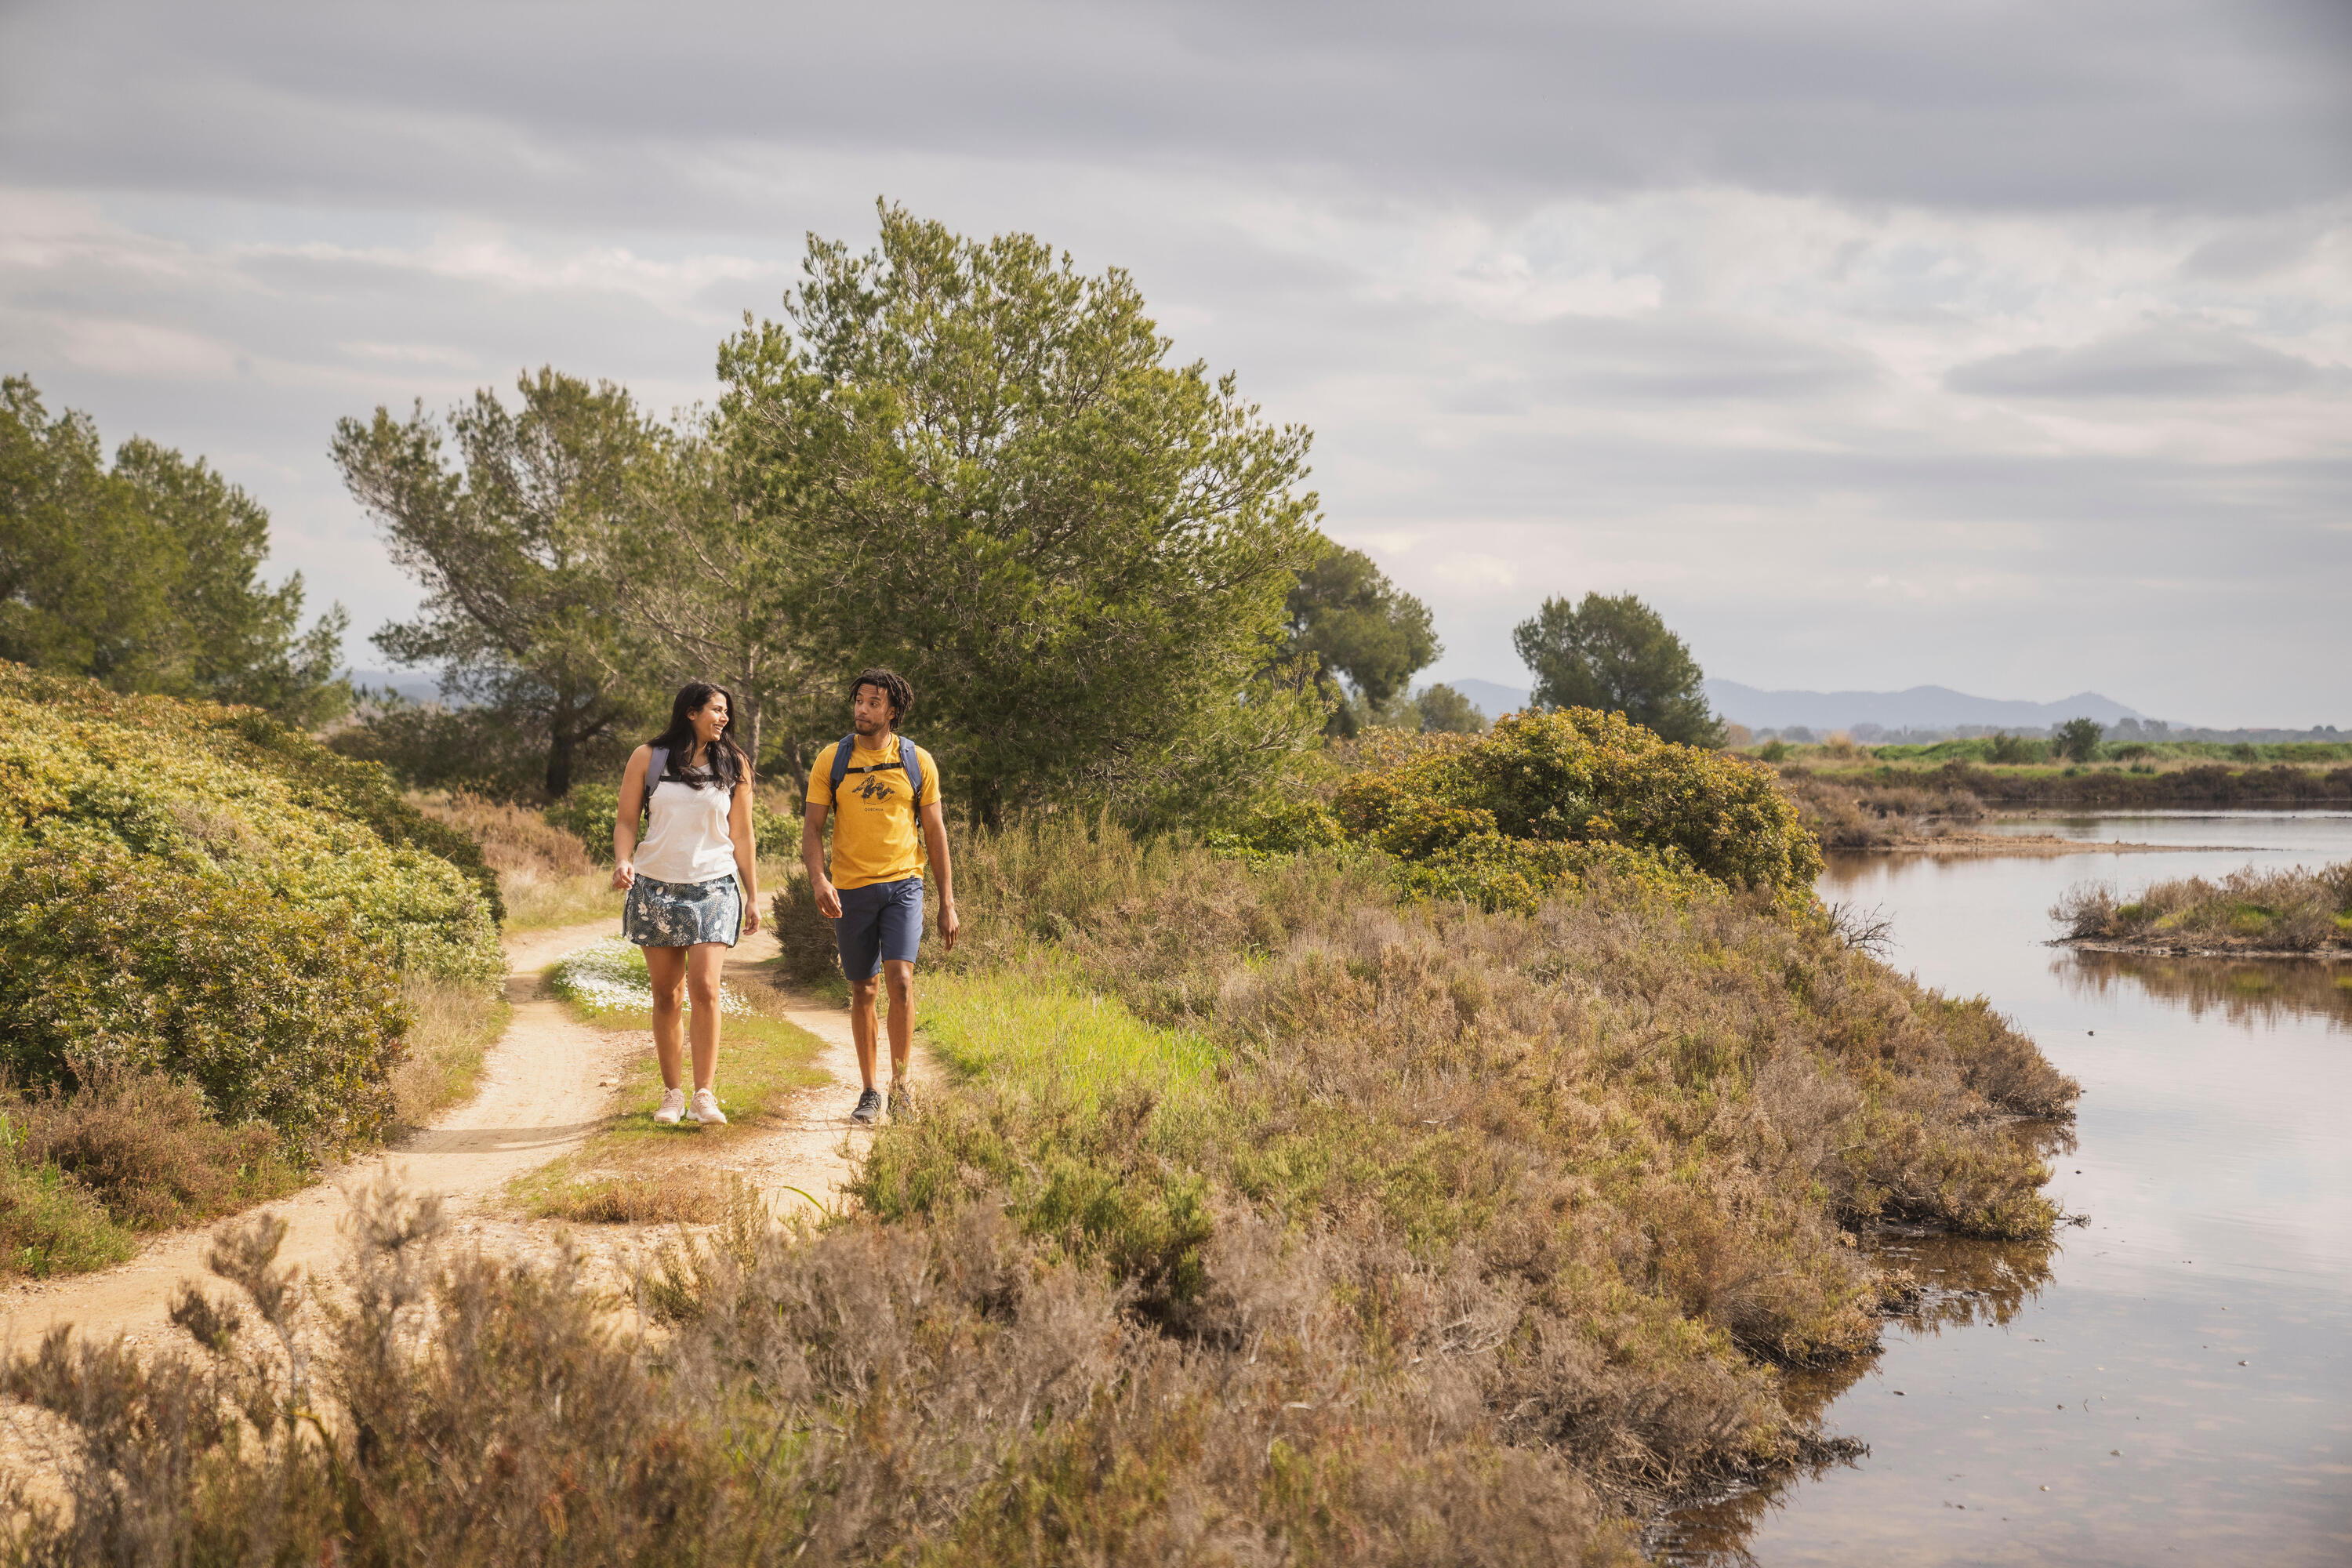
x=2169 y=1379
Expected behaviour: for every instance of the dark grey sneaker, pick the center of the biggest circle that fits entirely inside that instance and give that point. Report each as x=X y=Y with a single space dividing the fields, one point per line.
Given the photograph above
x=869 y=1106
x=902 y=1104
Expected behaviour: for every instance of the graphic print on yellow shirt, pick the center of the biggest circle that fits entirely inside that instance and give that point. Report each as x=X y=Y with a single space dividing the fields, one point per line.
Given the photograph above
x=875 y=835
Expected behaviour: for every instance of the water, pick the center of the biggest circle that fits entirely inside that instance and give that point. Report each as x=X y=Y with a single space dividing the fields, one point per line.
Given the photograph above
x=2171 y=1380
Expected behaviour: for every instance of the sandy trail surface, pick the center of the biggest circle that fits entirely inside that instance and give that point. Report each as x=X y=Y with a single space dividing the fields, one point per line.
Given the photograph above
x=545 y=1086
x=548 y=1083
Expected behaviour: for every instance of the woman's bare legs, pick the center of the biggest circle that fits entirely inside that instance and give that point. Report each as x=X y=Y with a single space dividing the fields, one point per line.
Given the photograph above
x=679 y=973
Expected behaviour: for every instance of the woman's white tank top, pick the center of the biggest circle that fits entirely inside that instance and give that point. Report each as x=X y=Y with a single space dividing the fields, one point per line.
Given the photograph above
x=686 y=834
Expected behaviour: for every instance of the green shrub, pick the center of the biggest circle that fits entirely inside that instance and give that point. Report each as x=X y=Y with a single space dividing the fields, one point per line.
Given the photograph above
x=225 y=795
x=50 y=1224
x=1545 y=798
x=278 y=1012
x=586 y=811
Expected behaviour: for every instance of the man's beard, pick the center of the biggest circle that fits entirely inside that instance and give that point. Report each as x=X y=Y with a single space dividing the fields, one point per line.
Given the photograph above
x=866 y=726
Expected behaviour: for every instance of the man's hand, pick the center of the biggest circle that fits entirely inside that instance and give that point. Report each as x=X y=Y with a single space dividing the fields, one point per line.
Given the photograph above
x=624 y=875
x=948 y=924
x=828 y=902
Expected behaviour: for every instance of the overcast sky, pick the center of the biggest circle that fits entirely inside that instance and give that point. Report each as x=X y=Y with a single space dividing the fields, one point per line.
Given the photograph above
x=2000 y=346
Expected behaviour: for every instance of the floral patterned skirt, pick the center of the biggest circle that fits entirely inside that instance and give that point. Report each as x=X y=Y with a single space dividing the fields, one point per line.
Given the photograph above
x=680 y=914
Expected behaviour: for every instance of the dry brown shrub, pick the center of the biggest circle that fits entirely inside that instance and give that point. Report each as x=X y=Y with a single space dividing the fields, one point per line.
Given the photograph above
x=519 y=844
x=147 y=1146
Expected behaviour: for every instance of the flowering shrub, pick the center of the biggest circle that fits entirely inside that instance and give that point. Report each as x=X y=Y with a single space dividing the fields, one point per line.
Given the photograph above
x=195 y=890
x=1545 y=800
x=223 y=796
x=610 y=976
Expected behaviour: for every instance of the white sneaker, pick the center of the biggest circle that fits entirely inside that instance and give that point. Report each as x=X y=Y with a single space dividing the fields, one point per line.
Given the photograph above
x=673 y=1105
x=705 y=1108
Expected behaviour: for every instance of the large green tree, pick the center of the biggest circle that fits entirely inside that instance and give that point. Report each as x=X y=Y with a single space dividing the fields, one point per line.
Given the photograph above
x=711 y=583
x=996 y=481
x=517 y=537
x=146 y=575
x=1354 y=624
x=1614 y=654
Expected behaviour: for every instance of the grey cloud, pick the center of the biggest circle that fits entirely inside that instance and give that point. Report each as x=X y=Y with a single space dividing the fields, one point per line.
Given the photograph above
x=610 y=110
x=2163 y=361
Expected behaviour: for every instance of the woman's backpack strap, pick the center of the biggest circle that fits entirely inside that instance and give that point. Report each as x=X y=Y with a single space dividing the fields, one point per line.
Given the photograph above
x=656 y=763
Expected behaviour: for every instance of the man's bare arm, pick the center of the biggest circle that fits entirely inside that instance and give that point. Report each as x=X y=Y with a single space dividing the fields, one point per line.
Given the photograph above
x=935 y=839
x=828 y=902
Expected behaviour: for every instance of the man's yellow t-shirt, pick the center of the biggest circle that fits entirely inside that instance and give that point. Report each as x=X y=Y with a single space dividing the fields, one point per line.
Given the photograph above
x=875 y=837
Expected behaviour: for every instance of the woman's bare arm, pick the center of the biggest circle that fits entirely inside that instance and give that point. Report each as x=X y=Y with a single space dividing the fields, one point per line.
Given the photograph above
x=630 y=807
x=747 y=853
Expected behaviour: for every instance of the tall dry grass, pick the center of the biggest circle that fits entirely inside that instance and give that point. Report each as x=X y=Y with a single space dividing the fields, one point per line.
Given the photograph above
x=545 y=874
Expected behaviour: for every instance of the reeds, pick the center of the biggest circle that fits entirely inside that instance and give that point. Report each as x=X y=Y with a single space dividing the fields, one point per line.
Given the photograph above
x=2250 y=911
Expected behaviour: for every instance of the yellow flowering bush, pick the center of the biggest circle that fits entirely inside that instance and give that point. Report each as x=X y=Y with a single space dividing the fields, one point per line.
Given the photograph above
x=194 y=890
x=1545 y=801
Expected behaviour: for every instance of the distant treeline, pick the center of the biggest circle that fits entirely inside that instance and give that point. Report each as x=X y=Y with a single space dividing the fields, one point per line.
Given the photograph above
x=2202 y=785
x=2129 y=731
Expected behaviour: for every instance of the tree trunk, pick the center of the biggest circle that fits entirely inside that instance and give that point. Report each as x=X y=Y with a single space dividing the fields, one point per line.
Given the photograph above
x=559 y=763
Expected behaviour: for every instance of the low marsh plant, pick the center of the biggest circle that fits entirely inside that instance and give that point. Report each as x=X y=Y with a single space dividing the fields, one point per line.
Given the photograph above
x=88 y=1169
x=941 y=1391
x=2286 y=910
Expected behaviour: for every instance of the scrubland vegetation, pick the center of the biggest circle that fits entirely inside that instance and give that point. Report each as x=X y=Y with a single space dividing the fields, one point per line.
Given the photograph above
x=220 y=938
x=2298 y=910
x=1286 y=1203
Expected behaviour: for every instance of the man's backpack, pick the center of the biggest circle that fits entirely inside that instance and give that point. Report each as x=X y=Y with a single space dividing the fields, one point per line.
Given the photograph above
x=910 y=759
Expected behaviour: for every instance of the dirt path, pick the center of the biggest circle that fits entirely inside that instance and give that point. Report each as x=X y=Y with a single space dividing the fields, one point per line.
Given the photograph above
x=820 y=1145
x=545 y=1087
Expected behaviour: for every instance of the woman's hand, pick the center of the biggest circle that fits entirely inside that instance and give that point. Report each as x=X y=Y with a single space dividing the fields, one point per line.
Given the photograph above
x=751 y=917
x=624 y=875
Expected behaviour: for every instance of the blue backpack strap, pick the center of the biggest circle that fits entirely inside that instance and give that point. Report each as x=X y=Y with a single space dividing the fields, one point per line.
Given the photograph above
x=840 y=749
x=911 y=759
x=656 y=763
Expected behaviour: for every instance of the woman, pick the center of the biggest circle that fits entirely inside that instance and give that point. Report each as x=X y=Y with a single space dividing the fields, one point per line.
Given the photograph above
x=694 y=885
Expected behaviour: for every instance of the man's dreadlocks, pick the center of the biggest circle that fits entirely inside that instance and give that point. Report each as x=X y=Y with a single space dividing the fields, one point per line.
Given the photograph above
x=894 y=687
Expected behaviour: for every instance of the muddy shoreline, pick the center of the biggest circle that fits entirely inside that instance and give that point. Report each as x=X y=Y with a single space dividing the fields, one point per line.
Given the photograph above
x=2035 y=844
x=2333 y=952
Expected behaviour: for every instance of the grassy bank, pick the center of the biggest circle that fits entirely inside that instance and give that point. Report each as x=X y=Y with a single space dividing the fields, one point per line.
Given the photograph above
x=1314 y=1205
x=2287 y=911
x=1860 y=801
x=1271 y=1213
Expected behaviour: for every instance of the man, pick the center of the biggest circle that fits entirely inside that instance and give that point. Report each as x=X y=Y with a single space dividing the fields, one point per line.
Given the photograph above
x=874 y=896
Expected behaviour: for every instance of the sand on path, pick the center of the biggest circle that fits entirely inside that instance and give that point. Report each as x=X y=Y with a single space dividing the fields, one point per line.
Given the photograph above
x=545 y=1086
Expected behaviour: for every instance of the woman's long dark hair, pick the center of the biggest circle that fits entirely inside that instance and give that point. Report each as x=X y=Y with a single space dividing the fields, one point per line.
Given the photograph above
x=728 y=764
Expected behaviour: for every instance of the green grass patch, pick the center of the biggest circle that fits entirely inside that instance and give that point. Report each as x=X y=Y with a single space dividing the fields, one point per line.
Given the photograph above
x=50 y=1224
x=1046 y=1033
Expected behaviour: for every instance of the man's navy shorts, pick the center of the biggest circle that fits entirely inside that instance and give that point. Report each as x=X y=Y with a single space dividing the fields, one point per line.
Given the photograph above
x=879 y=921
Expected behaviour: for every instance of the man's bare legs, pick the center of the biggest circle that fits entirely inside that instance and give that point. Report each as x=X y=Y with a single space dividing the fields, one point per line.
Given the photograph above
x=677 y=973
x=900 y=975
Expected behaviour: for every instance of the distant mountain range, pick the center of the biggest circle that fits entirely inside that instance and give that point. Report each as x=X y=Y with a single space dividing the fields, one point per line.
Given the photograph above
x=1922 y=708
x=417 y=685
